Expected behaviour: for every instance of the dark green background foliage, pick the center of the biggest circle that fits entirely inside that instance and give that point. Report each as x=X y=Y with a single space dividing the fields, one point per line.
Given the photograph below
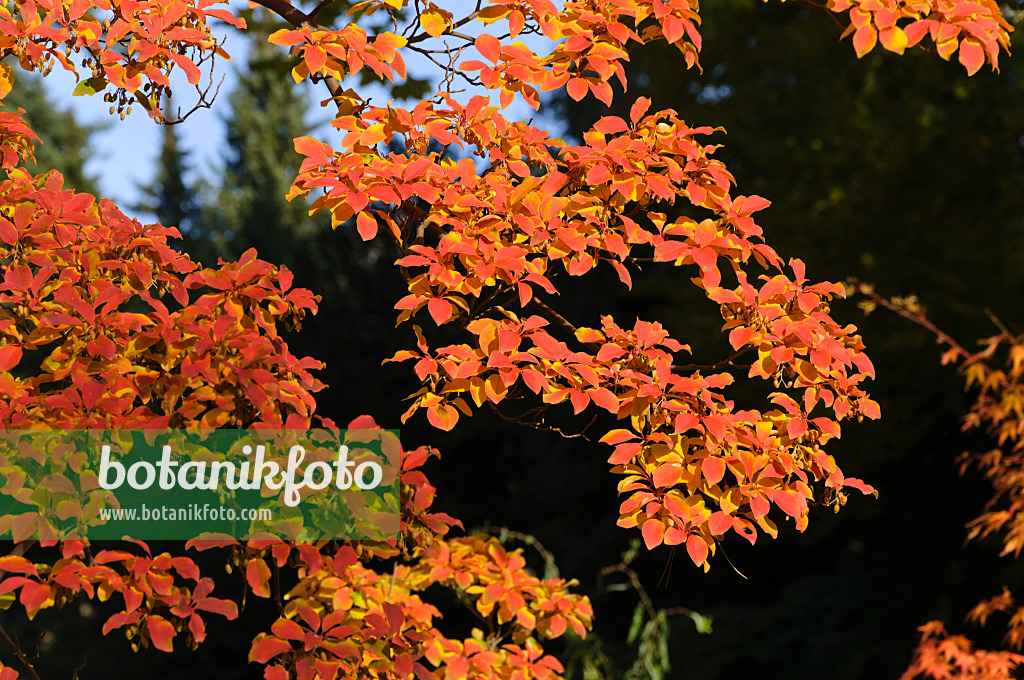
x=896 y=170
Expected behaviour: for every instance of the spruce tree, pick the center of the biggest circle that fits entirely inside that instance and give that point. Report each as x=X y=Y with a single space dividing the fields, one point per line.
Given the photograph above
x=169 y=197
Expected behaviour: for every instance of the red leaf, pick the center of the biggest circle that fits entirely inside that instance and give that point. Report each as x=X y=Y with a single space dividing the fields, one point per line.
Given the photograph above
x=489 y=47
x=675 y=535
x=639 y=108
x=759 y=507
x=395 y=616
x=715 y=426
x=121 y=619
x=577 y=88
x=796 y=428
x=617 y=437
x=704 y=257
x=403 y=665
x=557 y=626
x=610 y=125
x=440 y=310
x=366 y=226
x=790 y=503
x=624 y=453
x=289 y=630
x=864 y=40
x=161 y=632
x=8 y=234
x=653 y=531
x=197 y=628
x=9 y=357
x=257 y=573
x=740 y=335
x=34 y=595
x=315 y=150
x=972 y=56
x=719 y=523
x=225 y=608
x=17 y=564
x=713 y=469
x=857 y=484
x=697 y=549
x=266 y=648
x=605 y=399
x=667 y=475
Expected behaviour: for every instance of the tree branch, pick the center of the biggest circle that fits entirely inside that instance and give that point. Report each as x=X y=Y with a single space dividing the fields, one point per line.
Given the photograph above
x=319 y=8
x=18 y=652
x=915 y=315
x=560 y=321
x=296 y=17
x=286 y=10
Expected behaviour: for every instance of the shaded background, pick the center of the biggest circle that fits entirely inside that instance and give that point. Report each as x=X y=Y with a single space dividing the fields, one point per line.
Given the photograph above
x=896 y=170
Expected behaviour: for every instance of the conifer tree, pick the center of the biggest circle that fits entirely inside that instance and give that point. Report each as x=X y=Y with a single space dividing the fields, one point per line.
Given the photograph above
x=169 y=196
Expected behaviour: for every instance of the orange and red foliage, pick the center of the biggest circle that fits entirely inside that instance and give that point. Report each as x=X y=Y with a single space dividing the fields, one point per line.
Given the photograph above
x=996 y=375
x=103 y=323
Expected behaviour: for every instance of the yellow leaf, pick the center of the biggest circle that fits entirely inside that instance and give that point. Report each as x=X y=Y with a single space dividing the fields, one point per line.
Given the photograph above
x=300 y=72
x=893 y=39
x=433 y=22
x=5 y=80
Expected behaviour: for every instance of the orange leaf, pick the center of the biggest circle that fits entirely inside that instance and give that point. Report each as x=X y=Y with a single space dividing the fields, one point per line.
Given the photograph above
x=440 y=310
x=9 y=357
x=577 y=88
x=257 y=574
x=161 y=632
x=972 y=56
x=713 y=469
x=433 y=22
x=266 y=648
x=864 y=40
x=489 y=47
x=893 y=39
x=653 y=531
x=366 y=226
x=697 y=549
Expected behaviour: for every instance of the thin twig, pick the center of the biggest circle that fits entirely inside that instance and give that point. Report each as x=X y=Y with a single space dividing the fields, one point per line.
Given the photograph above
x=916 y=316
x=22 y=657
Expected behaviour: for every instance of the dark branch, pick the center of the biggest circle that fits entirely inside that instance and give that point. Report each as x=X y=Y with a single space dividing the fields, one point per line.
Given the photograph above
x=560 y=321
x=319 y=8
x=22 y=657
x=293 y=15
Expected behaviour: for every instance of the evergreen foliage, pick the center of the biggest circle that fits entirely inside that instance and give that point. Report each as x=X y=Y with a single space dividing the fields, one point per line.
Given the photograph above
x=169 y=196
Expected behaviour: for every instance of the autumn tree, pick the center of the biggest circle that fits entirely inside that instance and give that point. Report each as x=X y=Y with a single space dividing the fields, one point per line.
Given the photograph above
x=994 y=375
x=489 y=218
x=64 y=141
x=829 y=139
